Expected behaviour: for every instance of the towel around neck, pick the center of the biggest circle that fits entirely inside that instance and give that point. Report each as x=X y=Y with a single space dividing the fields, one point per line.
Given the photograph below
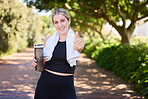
x=72 y=55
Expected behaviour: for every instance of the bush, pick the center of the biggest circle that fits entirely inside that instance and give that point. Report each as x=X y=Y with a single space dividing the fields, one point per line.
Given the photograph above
x=131 y=63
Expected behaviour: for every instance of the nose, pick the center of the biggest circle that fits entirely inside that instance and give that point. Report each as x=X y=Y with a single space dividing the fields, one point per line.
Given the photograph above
x=60 y=24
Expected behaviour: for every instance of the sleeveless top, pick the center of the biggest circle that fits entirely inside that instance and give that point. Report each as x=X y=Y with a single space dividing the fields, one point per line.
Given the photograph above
x=58 y=62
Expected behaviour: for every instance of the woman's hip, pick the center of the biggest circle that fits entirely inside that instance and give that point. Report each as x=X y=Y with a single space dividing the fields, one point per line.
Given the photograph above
x=56 y=82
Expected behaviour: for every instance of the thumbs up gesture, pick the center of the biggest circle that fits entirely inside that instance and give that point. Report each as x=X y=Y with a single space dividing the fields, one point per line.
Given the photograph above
x=78 y=43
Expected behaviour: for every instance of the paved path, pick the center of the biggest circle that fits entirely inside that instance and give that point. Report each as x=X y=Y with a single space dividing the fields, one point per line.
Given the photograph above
x=18 y=79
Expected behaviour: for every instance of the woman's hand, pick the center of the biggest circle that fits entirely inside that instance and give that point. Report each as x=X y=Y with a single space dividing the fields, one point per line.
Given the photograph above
x=34 y=63
x=78 y=43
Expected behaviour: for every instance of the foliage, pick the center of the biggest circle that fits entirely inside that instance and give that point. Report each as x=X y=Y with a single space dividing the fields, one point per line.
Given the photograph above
x=129 y=62
x=47 y=27
x=18 y=30
x=90 y=13
x=94 y=46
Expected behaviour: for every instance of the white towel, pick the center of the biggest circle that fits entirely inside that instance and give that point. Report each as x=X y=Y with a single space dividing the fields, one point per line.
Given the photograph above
x=72 y=55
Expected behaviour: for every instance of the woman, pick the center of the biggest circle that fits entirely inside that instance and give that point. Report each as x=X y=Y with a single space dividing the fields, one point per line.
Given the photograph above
x=61 y=52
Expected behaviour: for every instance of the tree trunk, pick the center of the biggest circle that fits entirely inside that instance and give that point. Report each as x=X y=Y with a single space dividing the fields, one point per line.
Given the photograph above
x=125 y=40
x=125 y=36
x=126 y=33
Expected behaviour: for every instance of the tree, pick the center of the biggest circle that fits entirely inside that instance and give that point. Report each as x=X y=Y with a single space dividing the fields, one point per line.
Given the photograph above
x=17 y=30
x=47 y=23
x=115 y=12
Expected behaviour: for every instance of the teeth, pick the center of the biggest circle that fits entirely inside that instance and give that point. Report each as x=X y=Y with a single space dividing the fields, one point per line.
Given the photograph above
x=61 y=28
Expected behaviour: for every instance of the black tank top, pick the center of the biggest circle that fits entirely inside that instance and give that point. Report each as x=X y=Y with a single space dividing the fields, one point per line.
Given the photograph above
x=58 y=62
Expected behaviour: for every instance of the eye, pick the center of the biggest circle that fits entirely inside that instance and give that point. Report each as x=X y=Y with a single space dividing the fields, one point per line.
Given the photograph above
x=62 y=20
x=55 y=22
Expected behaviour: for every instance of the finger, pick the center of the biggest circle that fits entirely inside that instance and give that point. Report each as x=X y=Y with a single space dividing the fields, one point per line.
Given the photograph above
x=34 y=64
x=75 y=48
x=78 y=42
x=79 y=45
x=76 y=35
x=35 y=60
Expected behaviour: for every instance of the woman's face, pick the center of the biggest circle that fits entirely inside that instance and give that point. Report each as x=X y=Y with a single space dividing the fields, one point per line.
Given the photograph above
x=61 y=24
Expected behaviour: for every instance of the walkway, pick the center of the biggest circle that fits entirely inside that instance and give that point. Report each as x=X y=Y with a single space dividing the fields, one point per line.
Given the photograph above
x=18 y=79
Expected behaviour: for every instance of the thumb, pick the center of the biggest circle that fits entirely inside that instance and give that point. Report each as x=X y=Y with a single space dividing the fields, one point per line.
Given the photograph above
x=76 y=35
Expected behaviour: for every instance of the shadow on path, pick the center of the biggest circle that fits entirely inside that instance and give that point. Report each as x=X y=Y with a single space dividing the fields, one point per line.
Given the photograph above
x=93 y=82
x=17 y=76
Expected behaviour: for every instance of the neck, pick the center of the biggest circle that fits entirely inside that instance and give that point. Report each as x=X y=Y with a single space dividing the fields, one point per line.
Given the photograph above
x=62 y=37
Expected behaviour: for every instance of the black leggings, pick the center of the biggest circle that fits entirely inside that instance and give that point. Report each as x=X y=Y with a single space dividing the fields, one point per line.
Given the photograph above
x=51 y=86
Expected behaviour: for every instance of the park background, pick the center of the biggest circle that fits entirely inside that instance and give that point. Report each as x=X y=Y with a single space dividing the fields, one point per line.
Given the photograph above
x=115 y=32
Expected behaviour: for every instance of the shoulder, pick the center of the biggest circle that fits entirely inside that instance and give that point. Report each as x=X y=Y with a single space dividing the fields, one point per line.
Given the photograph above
x=46 y=40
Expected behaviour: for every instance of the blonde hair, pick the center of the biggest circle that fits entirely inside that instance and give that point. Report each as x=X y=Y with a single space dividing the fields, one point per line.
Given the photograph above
x=62 y=12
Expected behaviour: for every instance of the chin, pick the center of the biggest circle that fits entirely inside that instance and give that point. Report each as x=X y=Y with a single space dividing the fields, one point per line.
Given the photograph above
x=63 y=32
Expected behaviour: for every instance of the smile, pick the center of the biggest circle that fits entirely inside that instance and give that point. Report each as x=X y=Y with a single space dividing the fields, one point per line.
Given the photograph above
x=61 y=29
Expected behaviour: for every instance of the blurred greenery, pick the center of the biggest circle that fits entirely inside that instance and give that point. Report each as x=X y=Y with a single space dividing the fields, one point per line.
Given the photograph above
x=128 y=62
x=20 y=27
x=47 y=26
